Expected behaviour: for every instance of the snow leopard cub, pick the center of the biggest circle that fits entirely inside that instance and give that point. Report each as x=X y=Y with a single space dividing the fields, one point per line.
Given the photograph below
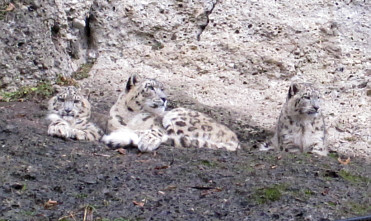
x=69 y=113
x=139 y=118
x=301 y=126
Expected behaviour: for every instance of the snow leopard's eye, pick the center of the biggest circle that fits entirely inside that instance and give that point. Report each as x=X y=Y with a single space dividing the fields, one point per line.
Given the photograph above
x=307 y=97
x=76 y=99
x=61 y=99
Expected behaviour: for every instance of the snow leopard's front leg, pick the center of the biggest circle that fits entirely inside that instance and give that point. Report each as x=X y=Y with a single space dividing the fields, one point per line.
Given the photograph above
x=318 y=149
x=318 y=145
x=150 y=140
x=88 y=132
x=59 y=127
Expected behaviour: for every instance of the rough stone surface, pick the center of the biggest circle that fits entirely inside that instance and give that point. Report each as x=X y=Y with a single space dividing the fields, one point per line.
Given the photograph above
x=41 y=40
x=236 y=55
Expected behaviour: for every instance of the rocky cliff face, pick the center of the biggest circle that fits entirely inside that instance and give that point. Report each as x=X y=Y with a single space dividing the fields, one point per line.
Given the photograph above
x=41 y=40
x=236 y=54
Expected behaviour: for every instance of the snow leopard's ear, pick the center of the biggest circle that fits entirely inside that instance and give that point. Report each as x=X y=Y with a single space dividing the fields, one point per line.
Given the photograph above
x=57 y=88
x=85 y=92
x=294 y=89
x=133 y=79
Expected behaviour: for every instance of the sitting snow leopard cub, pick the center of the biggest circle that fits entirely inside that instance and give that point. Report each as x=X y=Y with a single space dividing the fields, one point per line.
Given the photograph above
x=139 y=118
x=301 y=126
x=69 y=113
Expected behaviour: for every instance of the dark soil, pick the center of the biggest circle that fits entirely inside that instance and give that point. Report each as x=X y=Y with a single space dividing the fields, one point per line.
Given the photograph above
x=47 y=178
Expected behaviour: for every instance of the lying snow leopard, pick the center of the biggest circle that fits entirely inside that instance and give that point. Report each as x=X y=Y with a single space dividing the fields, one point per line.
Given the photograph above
x=301 y=126
x=139 y=118
x=69 y=113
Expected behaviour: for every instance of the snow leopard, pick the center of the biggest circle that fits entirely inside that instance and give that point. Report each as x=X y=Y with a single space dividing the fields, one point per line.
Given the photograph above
x=69 y=114
x=139 y=118
x=301 y=126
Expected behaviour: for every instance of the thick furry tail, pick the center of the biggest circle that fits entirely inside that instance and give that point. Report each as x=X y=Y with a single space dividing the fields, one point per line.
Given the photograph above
x=266 y=146
x=121 y=138
x=193 y=142
x=269 y=144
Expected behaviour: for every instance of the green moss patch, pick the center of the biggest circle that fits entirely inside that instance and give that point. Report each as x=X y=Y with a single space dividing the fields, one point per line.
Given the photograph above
x=334 y=155
x=358 y=209
x=269 y=194
x=82 y=72
x=208 y=163
x=352 y=178
x=40 y=91
x=3 y=10
x=65 y=81
x=308 y=192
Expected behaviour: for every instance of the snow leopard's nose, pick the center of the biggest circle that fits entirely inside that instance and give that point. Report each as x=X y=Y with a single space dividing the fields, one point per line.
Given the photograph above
x=67 y=108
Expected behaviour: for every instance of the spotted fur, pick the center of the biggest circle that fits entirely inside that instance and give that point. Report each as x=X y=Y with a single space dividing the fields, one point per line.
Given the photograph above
x=69 y=113
x=135 y=118
x=301 y=126
x=188 y=128
x=139 y=118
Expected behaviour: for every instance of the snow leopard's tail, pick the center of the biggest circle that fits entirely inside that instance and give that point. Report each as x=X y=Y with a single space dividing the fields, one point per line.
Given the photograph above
x=121 y=138
x=193 y=142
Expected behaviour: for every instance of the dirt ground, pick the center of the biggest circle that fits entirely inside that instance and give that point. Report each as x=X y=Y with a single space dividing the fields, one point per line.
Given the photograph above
x=47 y=178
